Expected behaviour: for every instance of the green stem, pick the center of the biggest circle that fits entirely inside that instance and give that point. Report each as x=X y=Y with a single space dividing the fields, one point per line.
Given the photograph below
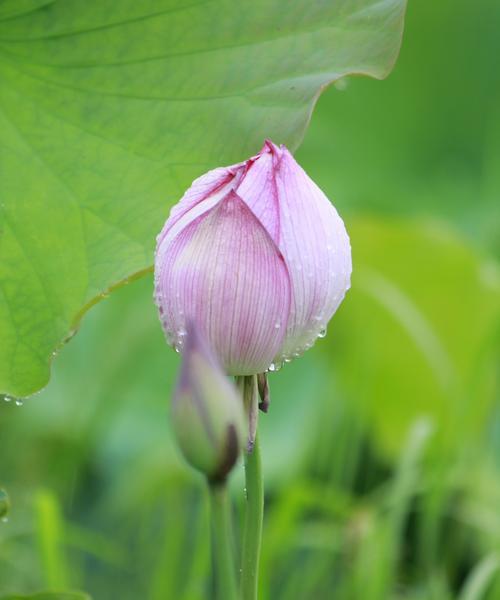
x=252 y=535
x=222 y=542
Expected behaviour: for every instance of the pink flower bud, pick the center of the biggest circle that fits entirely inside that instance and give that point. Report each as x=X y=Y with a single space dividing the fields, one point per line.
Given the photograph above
x=257 y=256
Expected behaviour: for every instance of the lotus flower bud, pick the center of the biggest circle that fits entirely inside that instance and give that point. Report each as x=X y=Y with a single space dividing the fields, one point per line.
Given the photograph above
x=257 y=256
x=207 y=411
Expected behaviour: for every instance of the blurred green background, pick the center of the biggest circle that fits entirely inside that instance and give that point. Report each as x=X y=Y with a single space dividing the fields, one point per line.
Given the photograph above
x=382 y=445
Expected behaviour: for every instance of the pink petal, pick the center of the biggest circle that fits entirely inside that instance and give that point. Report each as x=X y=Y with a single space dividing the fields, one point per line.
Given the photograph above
x=317 y=251
x=203 y=193
x=258 y=189
x=223 y=271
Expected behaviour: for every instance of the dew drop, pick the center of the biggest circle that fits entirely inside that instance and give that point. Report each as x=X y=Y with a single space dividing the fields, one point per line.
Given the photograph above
x=272 y=367
x=7 y=398
x=19 y=402
x=341 y=85
x=322 y=333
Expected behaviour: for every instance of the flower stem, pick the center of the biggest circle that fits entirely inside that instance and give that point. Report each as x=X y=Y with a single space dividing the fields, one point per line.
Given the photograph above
x=222 y=543
x=252 y=535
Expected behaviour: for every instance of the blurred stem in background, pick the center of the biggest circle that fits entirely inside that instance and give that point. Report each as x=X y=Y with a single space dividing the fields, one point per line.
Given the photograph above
x=222 y=542
x=50 y=539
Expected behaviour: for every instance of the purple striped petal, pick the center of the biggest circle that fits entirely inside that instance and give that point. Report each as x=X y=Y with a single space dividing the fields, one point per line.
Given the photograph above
x=311 y=236
x=258 y=190
x=315 y=244
x=204 y=192
x=221 y=269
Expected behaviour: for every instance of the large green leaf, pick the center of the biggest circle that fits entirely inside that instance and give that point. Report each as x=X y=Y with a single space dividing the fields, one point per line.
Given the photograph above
x=108 y=109
x=418 y=333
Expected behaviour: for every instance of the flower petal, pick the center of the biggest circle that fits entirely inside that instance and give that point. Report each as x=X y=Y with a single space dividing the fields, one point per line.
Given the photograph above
x=204 y=192
x=258 y=189
x=316 y=247
x=224 y=272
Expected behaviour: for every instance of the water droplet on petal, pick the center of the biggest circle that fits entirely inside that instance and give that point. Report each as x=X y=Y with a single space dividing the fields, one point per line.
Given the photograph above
x=322 y=333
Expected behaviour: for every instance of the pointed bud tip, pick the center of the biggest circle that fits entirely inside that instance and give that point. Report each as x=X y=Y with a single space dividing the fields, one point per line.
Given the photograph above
x=270 y=146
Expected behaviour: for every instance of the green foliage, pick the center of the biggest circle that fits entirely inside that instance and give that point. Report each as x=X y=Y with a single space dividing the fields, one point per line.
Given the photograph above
x=4 y=504
x=427 y=141
x=48 y=596
x=480 y=578
x=109 y=109
x=419 y=287
x=382 y=470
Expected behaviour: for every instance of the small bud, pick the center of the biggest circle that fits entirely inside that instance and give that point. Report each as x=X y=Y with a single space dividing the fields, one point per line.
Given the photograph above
x=4 y=504
x=207 y=411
